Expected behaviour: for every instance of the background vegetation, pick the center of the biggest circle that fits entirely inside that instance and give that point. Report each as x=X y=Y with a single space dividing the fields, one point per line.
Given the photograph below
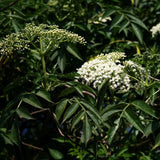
x=44 y=113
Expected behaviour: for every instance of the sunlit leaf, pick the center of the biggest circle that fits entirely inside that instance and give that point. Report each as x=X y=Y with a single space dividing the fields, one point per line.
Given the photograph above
x=55 y=154
x=157 y=141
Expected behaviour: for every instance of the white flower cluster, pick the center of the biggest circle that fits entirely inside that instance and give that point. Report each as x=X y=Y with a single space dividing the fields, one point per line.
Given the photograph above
x=155 y=29
x=95 y=71
x=135 y=70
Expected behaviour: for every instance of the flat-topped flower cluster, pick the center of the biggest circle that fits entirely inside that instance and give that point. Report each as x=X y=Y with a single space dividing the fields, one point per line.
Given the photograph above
x=110 y=67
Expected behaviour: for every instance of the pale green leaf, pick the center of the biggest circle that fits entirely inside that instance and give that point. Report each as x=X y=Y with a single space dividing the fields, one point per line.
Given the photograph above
x=55 y=154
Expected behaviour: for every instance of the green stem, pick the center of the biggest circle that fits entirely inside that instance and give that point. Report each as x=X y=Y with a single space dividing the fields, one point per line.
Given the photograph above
x=43 y=65
x=43 y=62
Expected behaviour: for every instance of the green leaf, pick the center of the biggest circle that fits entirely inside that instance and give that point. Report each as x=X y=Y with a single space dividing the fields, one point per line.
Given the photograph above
x=113 y=130
x=60 y=108
x=11 y=104
x=133 y=119
x=82 y=27
x=109 y=107
x=137 y=32
x=101 y=93
x=24 y=113
x=78 y=117
x=16 y=17
x=153 y=95
x=61 y=61
x=90 y=107
x=16 y=28
x=73 y=50
x=144 y=107
x=61 y=139
x=77 y=87
x=137 y=21
x=106 y=115
x=70 y=111
x=86 y=130
x=124 y=25
x=32 y=100
x=15 y=133
x=117 y=20
x=7 y=139
x=44 y=94
x=2 y=143
x=79 y=90
x=108 y=13
x=67 y=91
x=151 y=128
x=54 y=55
x=94 y=119
x=157 y=141
x=55 y=154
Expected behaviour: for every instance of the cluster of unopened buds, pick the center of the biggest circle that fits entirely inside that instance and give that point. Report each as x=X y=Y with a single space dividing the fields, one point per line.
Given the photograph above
x=31 y=34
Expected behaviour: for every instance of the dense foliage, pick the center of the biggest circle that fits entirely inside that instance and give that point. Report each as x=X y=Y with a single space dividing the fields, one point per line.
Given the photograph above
x=79 y=79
